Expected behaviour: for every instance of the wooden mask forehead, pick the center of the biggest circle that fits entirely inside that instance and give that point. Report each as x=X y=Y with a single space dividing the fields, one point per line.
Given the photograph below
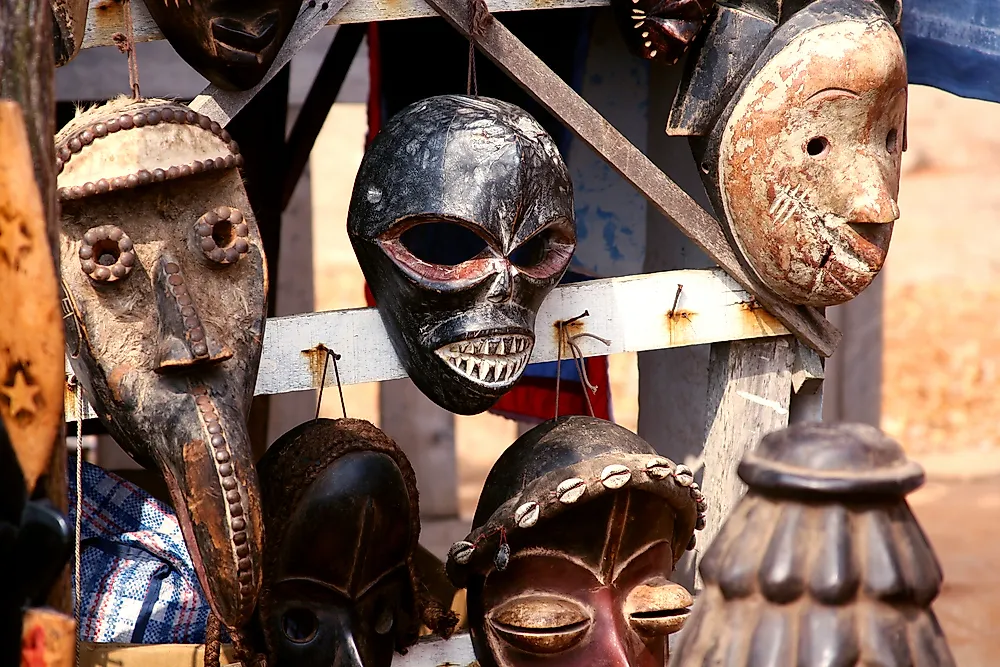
x=477 y=160
x=351 y=527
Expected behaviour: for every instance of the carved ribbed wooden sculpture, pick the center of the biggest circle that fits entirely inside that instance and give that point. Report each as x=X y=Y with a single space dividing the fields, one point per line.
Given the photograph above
x=822 y=564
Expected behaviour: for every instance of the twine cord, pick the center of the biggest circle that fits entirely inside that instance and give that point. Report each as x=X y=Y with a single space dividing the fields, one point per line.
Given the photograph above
x=78 y=522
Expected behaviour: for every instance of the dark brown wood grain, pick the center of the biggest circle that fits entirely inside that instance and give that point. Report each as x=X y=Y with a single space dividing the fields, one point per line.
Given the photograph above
x=508 y=53
x=27 y=76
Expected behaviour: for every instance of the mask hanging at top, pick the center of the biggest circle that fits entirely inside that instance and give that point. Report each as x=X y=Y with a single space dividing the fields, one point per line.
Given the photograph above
x=797 y=118
x=232 y=43
x=462 y=221
x=164 y=280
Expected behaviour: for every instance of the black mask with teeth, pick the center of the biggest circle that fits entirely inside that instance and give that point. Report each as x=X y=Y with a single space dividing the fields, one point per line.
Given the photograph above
x=462 y=221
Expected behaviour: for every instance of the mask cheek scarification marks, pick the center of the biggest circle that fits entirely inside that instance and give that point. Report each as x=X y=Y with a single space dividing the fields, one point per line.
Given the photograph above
x=810 y=160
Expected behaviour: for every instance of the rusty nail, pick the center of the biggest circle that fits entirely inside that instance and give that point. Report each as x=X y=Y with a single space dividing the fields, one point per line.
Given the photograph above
x=677 y=297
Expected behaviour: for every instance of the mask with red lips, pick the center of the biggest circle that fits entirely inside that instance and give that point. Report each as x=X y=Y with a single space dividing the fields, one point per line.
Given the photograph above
x=462 y=221
x=803 y=163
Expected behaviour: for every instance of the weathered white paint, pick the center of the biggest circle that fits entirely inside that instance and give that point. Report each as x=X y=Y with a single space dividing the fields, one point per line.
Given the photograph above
x=454 y=652
x=630 y=312
x=105 y=18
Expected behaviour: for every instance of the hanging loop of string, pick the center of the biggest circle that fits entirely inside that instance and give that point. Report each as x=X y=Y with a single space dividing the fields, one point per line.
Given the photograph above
x=78 y=518
x=330 y=354
x=578 y=357
x=479 y=18
x=126 y=44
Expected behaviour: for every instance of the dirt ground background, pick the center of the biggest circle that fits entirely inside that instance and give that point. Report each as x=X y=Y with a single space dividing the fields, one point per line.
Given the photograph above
x=942 y=342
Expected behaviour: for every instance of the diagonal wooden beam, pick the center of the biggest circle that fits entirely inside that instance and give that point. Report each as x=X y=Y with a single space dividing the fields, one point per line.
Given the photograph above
x=524 y=67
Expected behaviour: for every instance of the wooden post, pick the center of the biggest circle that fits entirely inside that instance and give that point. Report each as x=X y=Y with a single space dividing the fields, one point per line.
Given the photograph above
x=27 y=76
x=260 y=131
x=426 y=433
x=853 y=386
x=807 y=386
x=749 y=388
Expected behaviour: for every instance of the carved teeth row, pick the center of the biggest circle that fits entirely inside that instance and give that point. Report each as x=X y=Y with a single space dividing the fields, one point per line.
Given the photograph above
x=494 y=346
x=489 y=360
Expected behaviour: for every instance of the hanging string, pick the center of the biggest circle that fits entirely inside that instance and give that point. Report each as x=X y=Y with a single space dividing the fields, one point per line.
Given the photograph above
x=78 y=523
x=479 y=18
x=213 y=641
x=336 y=371
x=126 y=44
x=578 y=357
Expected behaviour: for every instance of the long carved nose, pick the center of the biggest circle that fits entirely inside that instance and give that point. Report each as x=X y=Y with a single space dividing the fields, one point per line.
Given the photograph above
x=347 y=654
x=873 y=198
x=184 y=340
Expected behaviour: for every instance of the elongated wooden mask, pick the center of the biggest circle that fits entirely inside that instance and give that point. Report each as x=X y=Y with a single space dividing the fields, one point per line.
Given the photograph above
x=165 y=282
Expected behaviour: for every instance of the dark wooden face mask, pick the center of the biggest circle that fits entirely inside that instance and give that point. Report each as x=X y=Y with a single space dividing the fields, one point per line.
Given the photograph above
x=822 y=562
x=165 y=282
x=577 y=531
x=232 y=43
x=798 y=119
x=462 y=221
x=341 y=515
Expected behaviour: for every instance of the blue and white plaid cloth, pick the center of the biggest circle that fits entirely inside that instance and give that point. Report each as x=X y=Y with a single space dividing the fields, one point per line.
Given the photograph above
x=138 y=583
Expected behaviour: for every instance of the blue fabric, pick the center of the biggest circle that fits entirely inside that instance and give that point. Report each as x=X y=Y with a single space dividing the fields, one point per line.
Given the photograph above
x=954 y=45
x=138 y=582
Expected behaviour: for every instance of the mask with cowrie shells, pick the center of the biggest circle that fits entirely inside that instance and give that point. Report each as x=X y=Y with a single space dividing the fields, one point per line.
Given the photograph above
x=164 y=283
x=577 y=531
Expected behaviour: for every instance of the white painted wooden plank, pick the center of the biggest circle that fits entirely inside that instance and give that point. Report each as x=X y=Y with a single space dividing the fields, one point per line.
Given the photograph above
x=454 y=652
x=105 y=18
x=631 y=312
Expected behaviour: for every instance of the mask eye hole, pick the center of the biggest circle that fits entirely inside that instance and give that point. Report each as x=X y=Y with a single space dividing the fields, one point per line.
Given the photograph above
x=533 y=251
x=442 y=243
x=655 y=611
x=892 y=141
x=541 y=623
x=222 y=235
x=299 y=625
x=106 y=254
x=818 y=146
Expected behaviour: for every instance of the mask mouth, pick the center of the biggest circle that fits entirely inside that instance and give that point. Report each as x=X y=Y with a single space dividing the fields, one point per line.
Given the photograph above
x=489 y=361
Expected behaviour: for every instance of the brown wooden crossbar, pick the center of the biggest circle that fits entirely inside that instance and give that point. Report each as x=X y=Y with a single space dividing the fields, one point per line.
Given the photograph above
x=535 y=77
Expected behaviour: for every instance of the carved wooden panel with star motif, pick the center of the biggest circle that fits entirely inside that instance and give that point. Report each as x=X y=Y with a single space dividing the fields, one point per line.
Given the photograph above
x=31 y=329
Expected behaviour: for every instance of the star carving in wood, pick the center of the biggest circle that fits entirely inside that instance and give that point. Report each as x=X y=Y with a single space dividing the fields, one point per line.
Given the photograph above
x=20 y=395
x=14 y=238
